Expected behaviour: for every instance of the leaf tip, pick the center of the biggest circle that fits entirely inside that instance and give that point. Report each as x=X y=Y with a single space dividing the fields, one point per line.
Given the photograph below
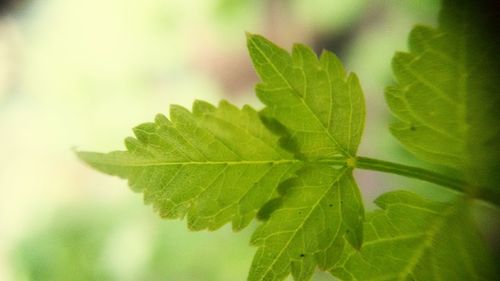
x=82 y=155
x=251 y=37
x=202 y=107
x=89 y=158
x=248 y=35
x=161 y=120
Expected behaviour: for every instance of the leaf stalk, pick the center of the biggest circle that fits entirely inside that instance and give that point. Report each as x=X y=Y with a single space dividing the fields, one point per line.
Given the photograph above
x=367 y=163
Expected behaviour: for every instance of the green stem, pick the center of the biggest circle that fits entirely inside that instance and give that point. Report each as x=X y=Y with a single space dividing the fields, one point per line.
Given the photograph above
x=409 y=171
x=422 y=174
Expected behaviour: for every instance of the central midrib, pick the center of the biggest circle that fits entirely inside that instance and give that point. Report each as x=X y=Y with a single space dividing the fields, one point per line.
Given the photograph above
x=433 y=231
x=240 y=162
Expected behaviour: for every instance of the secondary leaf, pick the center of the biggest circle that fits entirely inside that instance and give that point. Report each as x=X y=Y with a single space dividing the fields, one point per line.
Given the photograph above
x=447 y=97
x=214 y=165
x=318 y=207
x=321 y=106
x=412 y=238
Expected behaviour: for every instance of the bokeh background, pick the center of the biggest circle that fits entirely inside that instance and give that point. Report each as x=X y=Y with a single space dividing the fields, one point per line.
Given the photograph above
x=82 y=73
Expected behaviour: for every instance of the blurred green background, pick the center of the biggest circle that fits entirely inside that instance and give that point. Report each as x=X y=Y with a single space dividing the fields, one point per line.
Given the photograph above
x=82 y=73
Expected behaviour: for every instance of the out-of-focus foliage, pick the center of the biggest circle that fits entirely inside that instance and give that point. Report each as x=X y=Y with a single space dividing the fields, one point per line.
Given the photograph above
x=70 y=249
x=328 y=15
x=446 y=98
x=418 y=239
x=125 y=244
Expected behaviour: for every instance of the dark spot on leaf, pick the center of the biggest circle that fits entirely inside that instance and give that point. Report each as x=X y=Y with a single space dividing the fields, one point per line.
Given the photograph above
x=302 y=255
x=330 y=205
x=265 y=211
x=272 y=124
x=290 y=144
x=285 y=185
x=413 y=128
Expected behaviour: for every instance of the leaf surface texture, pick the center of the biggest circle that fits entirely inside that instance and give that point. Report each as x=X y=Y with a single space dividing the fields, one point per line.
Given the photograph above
x=447 y=98
x=412 y=238
x=320 y=105
x=321 y=109
x=214 y=165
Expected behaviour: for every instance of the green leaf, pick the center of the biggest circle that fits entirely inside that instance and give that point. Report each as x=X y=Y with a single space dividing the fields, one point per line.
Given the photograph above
x=447 y=98
x=214 y=165
x=321 y=107
x=318 y=207
x=321 y=111
x=412 y=238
